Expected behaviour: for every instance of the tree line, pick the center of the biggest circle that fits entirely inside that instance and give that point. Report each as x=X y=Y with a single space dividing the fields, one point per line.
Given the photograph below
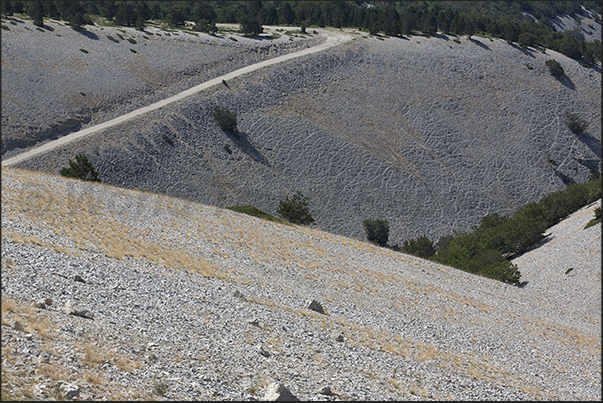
x=487 y=248
x=527 y=23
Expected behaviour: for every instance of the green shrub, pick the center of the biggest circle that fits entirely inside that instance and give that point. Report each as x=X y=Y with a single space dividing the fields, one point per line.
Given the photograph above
x=112 y=39
x=554 y=68
x=81 y=169
x=226 y=119
x=228 y=150
x=84 y=51
x=255 y=212
x=133 y=51
x=485 y=251
x=295 y=209
x=421 y=247
x=131 y=40
x=596 y=220
x=377 y=231
x=575 y=123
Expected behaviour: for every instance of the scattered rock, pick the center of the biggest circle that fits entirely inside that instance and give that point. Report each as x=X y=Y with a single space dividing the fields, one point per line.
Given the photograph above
x=325 y=391
x=78 y=279
x=71 y=310
x=316 y=306
x=18 y=326
x=338 y=336
x=277 y=392
x=254 y=322
x=44 y=358
x=239 y=294
x=264 y=352
x=43 y=303
x=69 y=390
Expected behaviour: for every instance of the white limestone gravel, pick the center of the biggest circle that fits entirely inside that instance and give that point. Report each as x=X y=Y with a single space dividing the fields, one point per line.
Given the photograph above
x=190 y=301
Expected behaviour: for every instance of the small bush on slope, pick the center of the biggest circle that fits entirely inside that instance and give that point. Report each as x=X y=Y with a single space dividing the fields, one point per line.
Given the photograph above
x=554 y=68
x=226 y=119
x=255 y=212
x=81 y=169
x=377 y=231
x=295 y=209
x=575 y=123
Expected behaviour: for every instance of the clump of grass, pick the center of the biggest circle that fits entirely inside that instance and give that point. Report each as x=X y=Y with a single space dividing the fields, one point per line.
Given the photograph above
x=132 y=40
x=84 y=51
x=8 y=29
x=255 y=212
x=133 y=51
x=596 y=220
x=160 y=387
x=112 y=39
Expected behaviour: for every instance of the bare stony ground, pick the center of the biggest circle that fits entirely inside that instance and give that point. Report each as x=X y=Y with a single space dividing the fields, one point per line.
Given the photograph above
x=110 y=293
x=144 y=287
x=429 y=133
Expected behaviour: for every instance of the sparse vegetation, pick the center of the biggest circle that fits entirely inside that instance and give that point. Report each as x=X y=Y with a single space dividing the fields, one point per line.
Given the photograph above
x=575 y=123
x=255 y=212
x=421 y=247
x=596 y=220
x=81 y=169
x=377 y=231
x=554 y=68
x=226 y=119
x=295 y=209
x=160 y=387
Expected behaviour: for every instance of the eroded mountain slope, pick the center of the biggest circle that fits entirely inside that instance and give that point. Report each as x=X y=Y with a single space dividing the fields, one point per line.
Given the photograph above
x=429 y=133
x=151 y=297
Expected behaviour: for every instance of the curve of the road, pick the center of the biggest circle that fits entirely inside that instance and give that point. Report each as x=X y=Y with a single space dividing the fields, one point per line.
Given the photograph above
x=334 y=38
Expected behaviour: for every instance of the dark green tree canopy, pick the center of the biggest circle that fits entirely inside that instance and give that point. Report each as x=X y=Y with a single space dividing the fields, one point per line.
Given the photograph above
x=226 y=119
x=377 y=231
x=250 y=26
x=295 y=209
x=81 y=169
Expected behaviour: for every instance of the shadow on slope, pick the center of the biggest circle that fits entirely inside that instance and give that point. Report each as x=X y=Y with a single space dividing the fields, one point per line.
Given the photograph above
x=241 y=139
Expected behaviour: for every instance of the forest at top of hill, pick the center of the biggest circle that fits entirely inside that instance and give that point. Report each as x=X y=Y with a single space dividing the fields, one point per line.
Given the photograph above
x=528 y=23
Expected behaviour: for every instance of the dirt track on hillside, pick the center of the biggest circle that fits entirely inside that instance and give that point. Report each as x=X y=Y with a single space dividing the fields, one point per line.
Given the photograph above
x=333 y=39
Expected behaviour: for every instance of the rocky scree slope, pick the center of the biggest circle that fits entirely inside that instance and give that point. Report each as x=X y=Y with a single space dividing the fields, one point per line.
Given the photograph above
x=56 y=80
x=429 y=133
x=110 y=293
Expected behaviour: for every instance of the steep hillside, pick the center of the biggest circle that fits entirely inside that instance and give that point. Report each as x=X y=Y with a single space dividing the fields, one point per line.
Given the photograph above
x=429 y=133
x=110 y=293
